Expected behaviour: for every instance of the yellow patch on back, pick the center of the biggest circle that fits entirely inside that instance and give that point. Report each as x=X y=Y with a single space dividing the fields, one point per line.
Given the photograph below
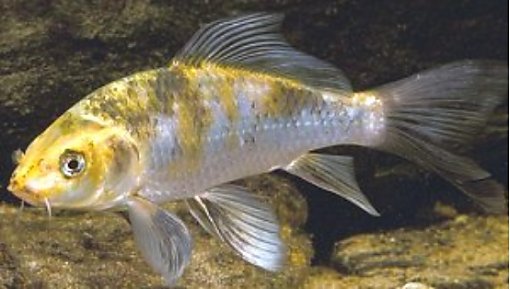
x=367 y=99
x=279 y=96
x=192 y=113
x=228 y=100
x=283 y=100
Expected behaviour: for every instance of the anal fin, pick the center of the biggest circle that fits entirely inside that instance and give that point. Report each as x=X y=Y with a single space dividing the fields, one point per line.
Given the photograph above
x=244 y=222
x=333 y=173
x=162 y=238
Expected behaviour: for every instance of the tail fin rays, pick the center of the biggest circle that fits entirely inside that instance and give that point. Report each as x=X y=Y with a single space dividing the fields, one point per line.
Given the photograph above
x=430 y=113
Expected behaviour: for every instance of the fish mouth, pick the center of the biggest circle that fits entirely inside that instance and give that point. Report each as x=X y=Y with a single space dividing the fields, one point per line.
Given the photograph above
x=24 y=194
x=30 y=197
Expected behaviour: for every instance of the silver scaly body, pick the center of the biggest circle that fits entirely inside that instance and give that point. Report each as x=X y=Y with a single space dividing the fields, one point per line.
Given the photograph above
x=255 y=143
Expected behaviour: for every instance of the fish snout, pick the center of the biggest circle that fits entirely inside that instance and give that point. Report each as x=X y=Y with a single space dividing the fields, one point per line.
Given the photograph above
x=17 y=188
x=13 y=186
x=14 y=183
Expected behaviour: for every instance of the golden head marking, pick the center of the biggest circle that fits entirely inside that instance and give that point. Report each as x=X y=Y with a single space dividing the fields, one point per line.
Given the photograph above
x=76 y=163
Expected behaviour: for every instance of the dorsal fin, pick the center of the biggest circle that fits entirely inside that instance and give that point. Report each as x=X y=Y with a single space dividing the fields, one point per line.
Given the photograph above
x=254 y=42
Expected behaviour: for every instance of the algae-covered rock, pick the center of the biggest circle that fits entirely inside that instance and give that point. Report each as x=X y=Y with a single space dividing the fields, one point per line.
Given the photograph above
x=464 y=252
x=96 y=250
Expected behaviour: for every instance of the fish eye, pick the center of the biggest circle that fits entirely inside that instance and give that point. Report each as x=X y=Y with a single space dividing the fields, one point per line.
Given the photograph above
x=72 y=163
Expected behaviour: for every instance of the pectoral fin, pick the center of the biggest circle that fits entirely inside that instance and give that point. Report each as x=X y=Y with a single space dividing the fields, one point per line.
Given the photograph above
x=162 y=238
x=332 y=173
x=244 y=222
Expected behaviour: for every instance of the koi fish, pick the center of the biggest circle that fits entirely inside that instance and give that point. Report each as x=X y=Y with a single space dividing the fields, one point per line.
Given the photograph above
x=238 y=101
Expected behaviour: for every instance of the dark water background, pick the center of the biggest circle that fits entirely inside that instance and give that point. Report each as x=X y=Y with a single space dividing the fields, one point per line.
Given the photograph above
x=52 y=53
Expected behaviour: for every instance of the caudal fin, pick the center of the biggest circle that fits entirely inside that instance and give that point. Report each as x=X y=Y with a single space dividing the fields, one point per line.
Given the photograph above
x=431 y=113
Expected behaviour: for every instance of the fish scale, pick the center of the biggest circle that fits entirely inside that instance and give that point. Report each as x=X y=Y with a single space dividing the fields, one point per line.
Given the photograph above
x=226 y=155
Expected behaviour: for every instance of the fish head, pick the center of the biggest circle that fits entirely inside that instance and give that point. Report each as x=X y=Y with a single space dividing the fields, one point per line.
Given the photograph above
x=77 y=163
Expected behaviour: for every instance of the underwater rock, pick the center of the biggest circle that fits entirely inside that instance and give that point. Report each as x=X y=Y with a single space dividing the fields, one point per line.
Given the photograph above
x=96 y=250
x=464 y=252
